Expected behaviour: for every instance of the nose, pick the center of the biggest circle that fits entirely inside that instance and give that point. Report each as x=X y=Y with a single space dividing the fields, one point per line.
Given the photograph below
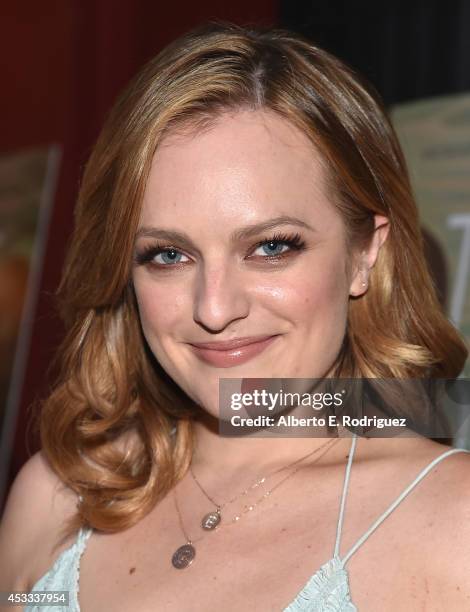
x=220 y=297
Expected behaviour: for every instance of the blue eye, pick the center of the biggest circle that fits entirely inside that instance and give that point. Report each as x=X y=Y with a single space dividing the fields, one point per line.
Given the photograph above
x=273 y=247
x=280 y=245
x=277 y=246
x=160 y=256
x=169 y=256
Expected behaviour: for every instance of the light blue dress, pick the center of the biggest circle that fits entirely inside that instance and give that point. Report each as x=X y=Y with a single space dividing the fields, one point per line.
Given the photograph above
x=326 y=591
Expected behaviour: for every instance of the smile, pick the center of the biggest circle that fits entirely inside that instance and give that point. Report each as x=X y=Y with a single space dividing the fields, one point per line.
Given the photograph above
x=228 y=354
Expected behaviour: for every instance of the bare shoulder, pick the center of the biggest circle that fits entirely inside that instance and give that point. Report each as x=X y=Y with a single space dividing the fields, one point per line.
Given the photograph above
x=441 y=518
x=449 y=535
x=449 y=468
x=37 y=506
x=414 y=450
x=446 y=470
x=449 y=490
x=443 y=473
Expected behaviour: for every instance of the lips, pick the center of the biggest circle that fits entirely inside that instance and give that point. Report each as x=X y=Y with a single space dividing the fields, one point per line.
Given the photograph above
x=231 y=352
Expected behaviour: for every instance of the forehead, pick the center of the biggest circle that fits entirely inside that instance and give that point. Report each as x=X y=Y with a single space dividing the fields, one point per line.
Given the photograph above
x=247 y=166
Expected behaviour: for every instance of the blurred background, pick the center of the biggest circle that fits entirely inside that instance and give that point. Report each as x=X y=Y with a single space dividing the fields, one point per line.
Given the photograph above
x=65 y=61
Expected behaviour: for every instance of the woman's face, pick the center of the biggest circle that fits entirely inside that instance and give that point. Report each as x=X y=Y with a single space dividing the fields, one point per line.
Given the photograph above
x=239 y=238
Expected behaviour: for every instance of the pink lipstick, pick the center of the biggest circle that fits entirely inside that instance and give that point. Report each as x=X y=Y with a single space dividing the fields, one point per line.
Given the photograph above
x=231 y=352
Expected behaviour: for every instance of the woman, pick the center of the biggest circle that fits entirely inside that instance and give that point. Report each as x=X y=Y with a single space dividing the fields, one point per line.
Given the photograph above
x=246 y=213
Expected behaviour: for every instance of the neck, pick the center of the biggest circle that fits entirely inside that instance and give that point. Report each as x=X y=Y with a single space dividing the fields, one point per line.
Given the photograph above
x=255 y=450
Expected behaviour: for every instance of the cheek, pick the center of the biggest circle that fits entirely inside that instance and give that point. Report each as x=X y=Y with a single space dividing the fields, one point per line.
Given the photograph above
x=160 y=309
x=317 y=309
x=318 y=296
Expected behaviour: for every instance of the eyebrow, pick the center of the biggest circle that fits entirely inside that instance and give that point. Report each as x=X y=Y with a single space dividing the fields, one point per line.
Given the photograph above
x=243 y=233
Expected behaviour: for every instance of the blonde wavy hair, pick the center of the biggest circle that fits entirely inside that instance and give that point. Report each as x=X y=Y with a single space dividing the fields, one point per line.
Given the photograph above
x=106 y=427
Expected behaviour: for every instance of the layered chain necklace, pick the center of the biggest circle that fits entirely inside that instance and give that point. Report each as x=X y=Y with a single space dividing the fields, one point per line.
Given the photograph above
x=185 y=554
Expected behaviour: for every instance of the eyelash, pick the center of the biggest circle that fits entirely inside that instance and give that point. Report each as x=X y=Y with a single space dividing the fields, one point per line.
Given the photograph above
x=293 y=241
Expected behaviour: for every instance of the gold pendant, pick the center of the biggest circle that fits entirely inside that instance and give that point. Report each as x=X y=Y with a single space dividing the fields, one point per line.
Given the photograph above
x=211 y=520
x=183 y=556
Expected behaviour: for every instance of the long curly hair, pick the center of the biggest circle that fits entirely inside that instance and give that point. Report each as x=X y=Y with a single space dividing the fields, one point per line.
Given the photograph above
x=106 y=426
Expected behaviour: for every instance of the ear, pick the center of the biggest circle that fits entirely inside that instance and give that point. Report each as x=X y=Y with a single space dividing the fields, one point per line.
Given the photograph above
x=366 y=261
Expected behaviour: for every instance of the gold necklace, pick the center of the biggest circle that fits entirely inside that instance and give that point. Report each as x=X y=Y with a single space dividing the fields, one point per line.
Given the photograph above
x=184 y=555
x=212 y=519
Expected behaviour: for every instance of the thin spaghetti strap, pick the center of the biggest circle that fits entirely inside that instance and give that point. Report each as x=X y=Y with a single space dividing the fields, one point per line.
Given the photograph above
x=343 y=496
x=83 y=535
x=401 y=497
